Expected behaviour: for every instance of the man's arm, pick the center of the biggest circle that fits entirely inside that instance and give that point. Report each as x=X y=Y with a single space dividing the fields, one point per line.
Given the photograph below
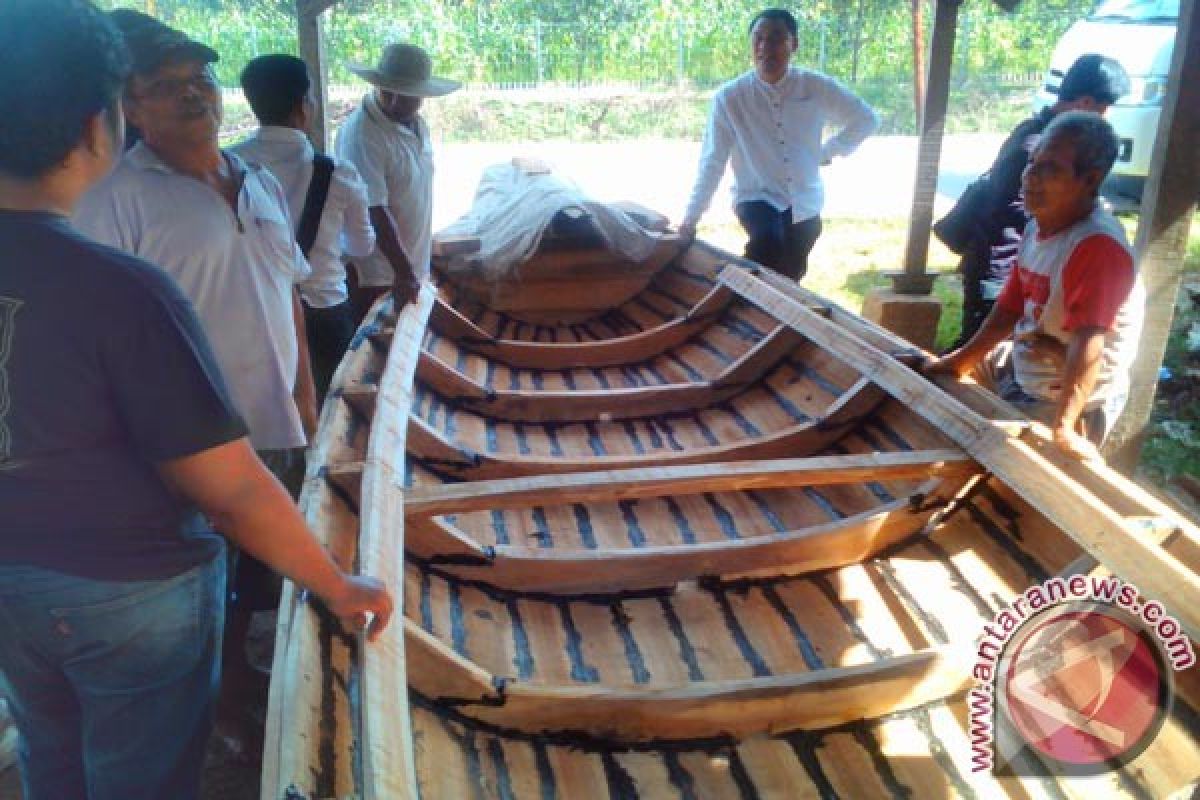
x=304 y=393
x=1080 y=371
x=995 y=329
x=857 y=119
x=714 y=155
x=406 y=286
x=245 y=502
x=358 y=235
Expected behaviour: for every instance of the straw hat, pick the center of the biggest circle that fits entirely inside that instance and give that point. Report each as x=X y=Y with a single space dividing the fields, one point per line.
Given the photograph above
x=405 y=69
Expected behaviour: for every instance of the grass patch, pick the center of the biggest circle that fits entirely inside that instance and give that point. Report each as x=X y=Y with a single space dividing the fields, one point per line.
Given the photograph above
x=852 y=257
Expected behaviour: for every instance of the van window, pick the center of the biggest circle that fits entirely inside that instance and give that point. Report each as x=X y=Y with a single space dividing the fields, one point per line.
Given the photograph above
x=1137 y=11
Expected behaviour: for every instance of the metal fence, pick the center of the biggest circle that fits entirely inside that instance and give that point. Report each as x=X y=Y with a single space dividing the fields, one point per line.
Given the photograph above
x=992 y=48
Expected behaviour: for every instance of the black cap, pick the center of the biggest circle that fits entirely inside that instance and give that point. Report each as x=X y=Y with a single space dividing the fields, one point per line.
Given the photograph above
x=152 y=43
x=1095 y=76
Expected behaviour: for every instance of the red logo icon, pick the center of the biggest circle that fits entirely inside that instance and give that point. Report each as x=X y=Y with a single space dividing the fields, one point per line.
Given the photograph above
x=1084 y=689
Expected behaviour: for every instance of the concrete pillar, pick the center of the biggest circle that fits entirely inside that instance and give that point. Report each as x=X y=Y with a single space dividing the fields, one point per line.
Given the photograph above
x=911 y=316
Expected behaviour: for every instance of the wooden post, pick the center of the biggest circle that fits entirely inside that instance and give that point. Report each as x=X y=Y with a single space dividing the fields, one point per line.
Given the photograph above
x=914 y=280
x=311 y=35
x=918 y=39
x=1167 y=208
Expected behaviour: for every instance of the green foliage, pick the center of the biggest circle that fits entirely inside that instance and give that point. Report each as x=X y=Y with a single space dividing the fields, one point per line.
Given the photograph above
x=865 y=43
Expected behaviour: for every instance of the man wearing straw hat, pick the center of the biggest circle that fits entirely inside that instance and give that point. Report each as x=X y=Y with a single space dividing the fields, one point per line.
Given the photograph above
x=388 y=141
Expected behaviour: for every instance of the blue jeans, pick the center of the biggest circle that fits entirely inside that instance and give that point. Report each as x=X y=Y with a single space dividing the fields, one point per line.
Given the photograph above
x=112 y=685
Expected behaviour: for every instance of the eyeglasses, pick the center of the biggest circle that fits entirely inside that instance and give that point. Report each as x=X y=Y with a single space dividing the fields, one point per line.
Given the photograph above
x=173 y=87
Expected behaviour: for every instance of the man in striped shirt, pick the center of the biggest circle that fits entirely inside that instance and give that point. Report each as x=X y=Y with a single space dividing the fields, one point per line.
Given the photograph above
x=1073 y=303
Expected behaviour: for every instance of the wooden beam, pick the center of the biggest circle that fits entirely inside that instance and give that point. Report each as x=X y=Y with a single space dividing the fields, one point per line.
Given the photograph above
x=386 y=742
x=1081 y=515
x=827 y=546
x=633 y=484
x=310 y=33
x=858 y=401
x=929 y=151
x=525 y=405
x=807 y=700
x=449 y=322
x=298 y=725
x=1168 y=205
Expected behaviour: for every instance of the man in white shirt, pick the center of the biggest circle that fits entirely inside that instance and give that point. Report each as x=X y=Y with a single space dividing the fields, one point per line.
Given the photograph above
x=221 y=229
x=771 y=120
x=388 y=141
x=326 y=199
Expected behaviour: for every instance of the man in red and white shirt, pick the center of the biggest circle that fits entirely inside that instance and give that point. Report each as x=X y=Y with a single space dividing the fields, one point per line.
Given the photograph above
x=1073 y=304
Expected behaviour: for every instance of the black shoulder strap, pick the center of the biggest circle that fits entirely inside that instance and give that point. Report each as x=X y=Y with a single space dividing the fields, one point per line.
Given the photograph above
x=314 y=202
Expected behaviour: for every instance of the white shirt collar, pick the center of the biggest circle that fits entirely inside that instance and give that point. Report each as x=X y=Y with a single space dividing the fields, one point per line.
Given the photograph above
x=371 y=104
x=143 y=157
x=280 y=135
x=783 y=86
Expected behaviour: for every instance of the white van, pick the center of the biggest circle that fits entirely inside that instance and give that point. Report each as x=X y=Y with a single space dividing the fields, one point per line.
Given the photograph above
x=1139 y=34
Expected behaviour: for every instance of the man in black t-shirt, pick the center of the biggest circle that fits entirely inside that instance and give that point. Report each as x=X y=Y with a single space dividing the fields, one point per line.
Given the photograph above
x=1093 y=83
x=114 y=425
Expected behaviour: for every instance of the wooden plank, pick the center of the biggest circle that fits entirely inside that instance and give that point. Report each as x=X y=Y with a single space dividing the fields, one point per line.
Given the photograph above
x=1092 y=524
x=294 y=710
x=385 y=738
x=606 y=404
x=690 y=479
x=816 y=548
x=616 y=351
x=742 y=707
x=858 y=401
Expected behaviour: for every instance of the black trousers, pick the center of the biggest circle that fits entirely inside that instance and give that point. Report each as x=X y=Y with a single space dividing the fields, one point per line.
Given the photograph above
x=330 y=331
x=775 y=241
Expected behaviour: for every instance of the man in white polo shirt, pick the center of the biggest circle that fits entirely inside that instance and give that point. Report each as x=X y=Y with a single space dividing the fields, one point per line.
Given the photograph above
x=221 y=229
x=771 y=121
x=326 y=199
x=388 y=141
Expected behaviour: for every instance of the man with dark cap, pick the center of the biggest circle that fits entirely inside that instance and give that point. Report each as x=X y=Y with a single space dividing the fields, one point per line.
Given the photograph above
x=1093 y=83
x=221 y=228
x=115 y=424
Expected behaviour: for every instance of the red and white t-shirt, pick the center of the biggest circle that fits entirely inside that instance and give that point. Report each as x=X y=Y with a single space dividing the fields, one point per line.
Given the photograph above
x=1081 y=277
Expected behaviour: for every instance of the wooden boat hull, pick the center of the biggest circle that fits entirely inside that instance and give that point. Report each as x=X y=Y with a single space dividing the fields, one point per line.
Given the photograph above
x=781 y=611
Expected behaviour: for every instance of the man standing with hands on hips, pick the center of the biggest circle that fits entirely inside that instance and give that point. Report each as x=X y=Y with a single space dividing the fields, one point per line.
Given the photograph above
x=771 y=121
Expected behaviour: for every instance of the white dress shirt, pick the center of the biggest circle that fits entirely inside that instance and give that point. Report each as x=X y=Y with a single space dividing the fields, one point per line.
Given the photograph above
x=344 y=226
x=237 y=268
x=774 y=134
x=396 y=163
